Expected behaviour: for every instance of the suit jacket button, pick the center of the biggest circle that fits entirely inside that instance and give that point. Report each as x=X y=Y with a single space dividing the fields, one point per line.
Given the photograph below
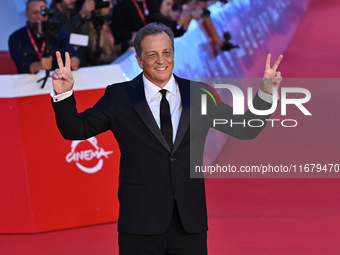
x=172 y=159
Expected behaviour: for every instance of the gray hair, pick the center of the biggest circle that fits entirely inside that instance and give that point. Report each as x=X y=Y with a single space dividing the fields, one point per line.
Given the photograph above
x=151 y=29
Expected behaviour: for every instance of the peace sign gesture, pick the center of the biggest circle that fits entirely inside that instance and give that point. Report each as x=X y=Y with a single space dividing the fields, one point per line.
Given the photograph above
x=271 y=77
x=62 y=79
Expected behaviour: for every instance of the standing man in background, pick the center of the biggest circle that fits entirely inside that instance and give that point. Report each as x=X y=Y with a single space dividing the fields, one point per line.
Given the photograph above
x=162 y=210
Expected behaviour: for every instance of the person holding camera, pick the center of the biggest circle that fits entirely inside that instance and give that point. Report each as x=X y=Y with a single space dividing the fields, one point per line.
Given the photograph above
x=32 y=47
x=71 y=19
x=127 y=18
x=164 y=14
x=198 y=9
x=101 y=48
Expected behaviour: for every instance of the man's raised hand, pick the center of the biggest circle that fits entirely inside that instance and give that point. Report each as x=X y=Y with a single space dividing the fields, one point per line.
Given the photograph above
x=62 y=77
x=271 y=77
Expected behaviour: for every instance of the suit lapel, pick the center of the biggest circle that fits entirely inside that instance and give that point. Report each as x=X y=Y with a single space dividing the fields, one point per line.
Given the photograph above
x=136 y=94
x=184 y=87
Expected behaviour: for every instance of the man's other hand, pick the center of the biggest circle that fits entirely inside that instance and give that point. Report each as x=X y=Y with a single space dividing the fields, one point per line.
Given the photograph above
x=271 y=77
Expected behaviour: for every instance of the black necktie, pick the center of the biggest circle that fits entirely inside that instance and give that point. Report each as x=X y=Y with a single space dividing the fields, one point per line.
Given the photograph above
x=165 y=116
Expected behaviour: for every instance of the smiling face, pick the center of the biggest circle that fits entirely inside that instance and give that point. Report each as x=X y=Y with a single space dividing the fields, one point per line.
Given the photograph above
x=157 y=58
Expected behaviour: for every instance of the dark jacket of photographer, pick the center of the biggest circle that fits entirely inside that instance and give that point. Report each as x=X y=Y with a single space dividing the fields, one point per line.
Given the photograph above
x=70 y=25
x=23 y=53
x=126 y=20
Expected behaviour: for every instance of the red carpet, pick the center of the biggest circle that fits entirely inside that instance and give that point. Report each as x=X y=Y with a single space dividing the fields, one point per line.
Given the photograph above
x=256 y=216
x=288 y=216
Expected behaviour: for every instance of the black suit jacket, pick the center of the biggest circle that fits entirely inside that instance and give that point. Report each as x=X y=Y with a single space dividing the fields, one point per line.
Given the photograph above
x=151 y=175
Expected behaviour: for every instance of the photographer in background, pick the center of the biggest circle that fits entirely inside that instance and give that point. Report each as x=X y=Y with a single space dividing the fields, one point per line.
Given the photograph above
x=71 y=19
x=101 y=47
x=164 y=14
x=127 y=18
x=198 y=9
x=32 y=47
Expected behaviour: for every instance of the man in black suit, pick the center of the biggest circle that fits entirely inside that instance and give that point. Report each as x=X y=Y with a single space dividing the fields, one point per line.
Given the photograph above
x=162 y=209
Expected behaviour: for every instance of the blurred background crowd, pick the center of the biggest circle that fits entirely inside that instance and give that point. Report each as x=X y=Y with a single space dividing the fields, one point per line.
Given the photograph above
x=96 y=32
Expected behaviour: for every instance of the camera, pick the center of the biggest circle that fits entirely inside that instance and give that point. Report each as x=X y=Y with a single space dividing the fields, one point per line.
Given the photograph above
x=97 y=18
x=100 y=4
x=49 y=28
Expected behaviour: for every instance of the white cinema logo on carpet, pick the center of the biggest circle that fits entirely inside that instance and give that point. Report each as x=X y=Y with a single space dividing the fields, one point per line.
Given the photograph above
x=87 y=155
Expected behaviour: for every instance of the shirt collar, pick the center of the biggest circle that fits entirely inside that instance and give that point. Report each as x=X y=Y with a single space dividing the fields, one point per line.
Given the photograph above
x=151 y=89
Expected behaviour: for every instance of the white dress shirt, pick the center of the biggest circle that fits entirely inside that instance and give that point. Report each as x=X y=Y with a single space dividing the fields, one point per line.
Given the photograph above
x=153 y=98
